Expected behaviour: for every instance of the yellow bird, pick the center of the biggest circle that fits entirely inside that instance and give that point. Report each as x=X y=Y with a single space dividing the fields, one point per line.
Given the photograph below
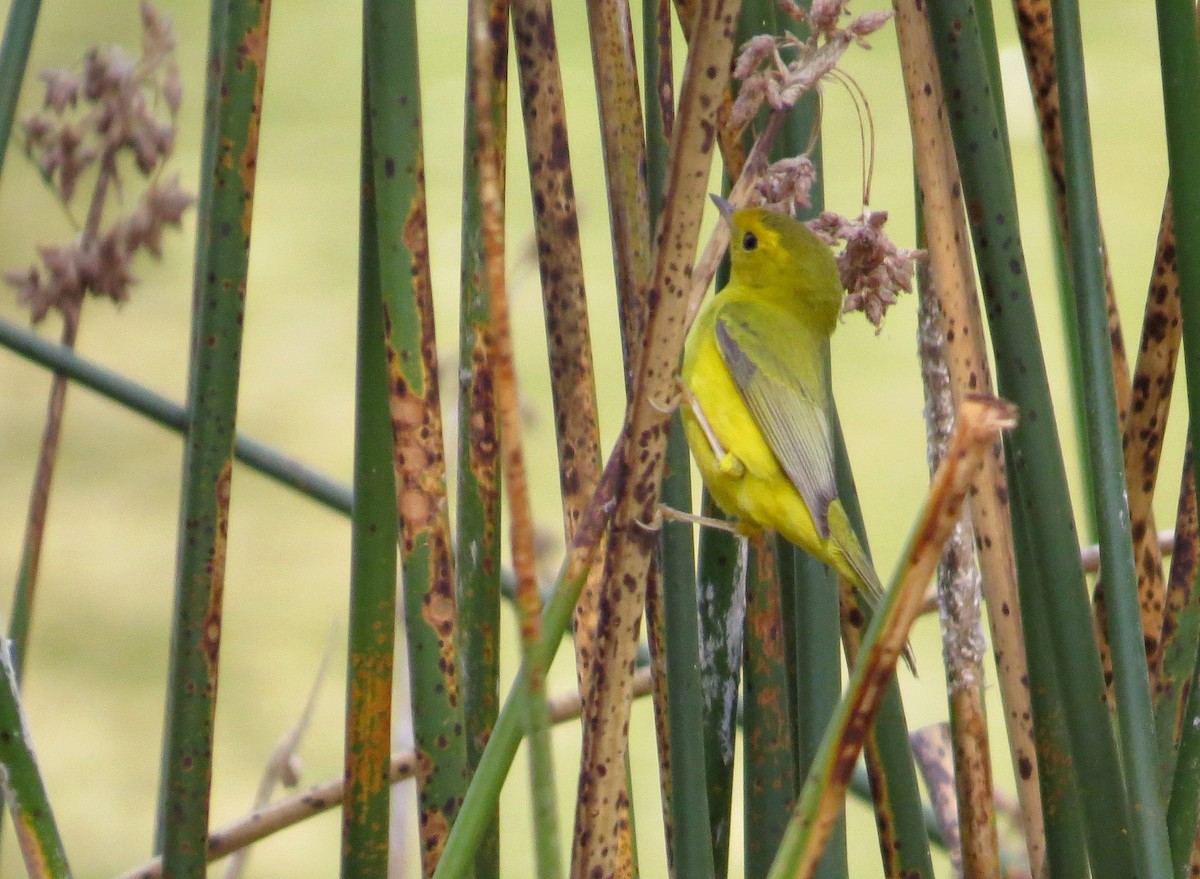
x=756 y=405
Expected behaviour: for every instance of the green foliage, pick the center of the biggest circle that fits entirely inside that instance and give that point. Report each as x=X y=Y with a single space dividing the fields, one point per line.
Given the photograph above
x=1117 y=802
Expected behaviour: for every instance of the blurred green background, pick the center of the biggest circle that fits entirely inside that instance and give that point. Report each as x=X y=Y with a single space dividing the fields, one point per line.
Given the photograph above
x=94 y=691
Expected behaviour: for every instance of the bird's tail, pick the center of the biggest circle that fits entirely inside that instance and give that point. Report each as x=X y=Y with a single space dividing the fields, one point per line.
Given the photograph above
x=857 y=567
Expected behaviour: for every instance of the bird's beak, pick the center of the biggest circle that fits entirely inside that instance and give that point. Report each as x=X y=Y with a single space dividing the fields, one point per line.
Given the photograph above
x=724 y=206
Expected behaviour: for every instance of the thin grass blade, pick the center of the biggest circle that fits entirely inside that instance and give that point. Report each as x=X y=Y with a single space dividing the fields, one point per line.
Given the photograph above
x=222 y=252
x=366 y=812
x=817 y=677
x=478 y=525
x=809 y=591
x=257 y=455
x=768 y=755
x=24 y=792
x=1065 y=851
x=14 y=57
x=770 y=782
x=1135 y=717
x=418 y=450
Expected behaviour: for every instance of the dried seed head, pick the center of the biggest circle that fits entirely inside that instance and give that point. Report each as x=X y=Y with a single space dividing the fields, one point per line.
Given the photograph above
x=872 y=268
x=867 y=24
x=106 y=71
x=825 y=15
x=167 y=201
x=750 y=98
x=62 y=89
x=793 y=10
x=97 y=117
x=753 y=52
x=30 y=291
x=786 y=185
x=158 y=35
x=172 y=88
x=767 y=76
x=112 y=266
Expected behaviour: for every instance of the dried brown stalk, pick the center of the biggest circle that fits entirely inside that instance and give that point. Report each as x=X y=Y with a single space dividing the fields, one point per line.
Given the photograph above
x=853 y=625
x=561 y=263
x=623 y=137
x=932 y=752
x=656 y=630
x=960 y=612
x=1175 y=682
x=1146 y=425
x=524 y=555
x=729 y=140
x=573 y=384
x=662 y=106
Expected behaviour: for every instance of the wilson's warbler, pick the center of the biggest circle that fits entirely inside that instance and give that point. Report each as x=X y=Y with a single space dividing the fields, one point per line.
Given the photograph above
x=756 y=403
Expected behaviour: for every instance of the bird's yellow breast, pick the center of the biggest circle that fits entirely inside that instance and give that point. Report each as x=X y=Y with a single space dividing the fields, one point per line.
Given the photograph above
x=759 y=494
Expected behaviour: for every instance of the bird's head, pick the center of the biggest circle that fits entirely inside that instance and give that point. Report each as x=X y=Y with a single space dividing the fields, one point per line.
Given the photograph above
x=780 y=256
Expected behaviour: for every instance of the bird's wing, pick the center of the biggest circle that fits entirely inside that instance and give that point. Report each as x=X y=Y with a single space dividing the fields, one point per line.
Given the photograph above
x=789 y=411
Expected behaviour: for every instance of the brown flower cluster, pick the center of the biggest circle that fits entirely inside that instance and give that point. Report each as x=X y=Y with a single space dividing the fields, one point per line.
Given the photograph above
x=872 y=268
x=115 y=110
x=780 y=70
x=786 y=185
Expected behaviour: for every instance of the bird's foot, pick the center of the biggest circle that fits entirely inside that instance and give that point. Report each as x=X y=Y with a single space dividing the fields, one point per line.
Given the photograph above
x=673 y=515
x=654 y=524
x=731 y=465
x=668 y=404
x=698 y=411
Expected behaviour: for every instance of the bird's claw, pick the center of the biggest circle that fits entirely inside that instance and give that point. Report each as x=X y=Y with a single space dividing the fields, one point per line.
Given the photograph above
x=673 y=515
x=655 y=524
x=731 y=465
x=670 y=403
x=698 y=411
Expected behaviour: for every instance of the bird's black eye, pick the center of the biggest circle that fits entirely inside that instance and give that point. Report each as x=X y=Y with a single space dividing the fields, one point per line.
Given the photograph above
x=750 y=241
